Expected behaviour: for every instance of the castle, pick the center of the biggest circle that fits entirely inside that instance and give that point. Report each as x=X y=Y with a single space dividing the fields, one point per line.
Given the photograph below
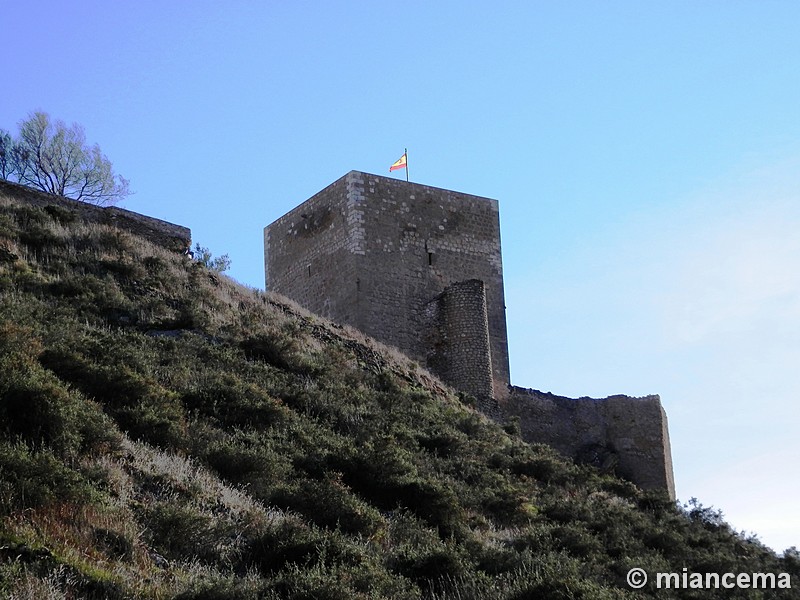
x=420 y=268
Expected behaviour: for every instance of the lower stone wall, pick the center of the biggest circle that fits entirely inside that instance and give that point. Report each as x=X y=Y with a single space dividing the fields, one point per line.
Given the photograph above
x=620 y=434
x=171 y=236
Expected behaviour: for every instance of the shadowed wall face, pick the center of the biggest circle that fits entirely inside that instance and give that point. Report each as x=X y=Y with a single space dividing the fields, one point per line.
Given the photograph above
x=374 y=252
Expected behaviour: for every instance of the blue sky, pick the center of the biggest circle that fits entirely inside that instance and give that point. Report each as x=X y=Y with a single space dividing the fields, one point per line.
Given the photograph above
x=646 y=157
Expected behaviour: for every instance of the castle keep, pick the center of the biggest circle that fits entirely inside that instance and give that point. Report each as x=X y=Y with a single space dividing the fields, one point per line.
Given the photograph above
x=420 y=268
x=415 y=267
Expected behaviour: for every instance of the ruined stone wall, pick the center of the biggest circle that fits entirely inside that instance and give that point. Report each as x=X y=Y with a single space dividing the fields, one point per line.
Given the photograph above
x=374 y=251
x=171 y=236
x=624 y=435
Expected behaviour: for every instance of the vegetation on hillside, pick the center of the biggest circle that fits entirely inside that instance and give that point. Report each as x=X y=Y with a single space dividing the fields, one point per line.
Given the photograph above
x=167 y=433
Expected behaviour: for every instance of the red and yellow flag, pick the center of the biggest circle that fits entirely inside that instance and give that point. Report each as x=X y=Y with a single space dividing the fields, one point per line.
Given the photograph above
x=400 y=163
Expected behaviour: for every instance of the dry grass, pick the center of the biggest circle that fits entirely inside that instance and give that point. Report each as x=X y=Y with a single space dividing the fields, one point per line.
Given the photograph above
x=103 y=543
x=179 y=474
x=50 y=587
x=106 y=541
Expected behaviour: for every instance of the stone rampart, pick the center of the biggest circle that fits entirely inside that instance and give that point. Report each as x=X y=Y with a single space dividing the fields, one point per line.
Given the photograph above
x=171 y=236
x=620 y=434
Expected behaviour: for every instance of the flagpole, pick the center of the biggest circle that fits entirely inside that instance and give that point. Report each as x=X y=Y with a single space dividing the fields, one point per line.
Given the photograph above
x=405 y=153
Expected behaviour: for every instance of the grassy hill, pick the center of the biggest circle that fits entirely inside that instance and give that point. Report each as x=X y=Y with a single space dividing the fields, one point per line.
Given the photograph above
x=165 y=432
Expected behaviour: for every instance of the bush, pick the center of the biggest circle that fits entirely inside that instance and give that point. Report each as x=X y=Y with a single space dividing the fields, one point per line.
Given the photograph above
x=329 y=504
x=158 y=420
x=37 y=407
x=280 y=349
x=234 y=402
x=429 y=565
x=217 y=586
x=32 y=478
x=576 y=540
x=247 y=460
x=181 y=532
x=45 y=412
x=293 y=543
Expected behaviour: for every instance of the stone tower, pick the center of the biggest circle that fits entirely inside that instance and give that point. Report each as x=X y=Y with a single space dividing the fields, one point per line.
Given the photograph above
x=413 y=266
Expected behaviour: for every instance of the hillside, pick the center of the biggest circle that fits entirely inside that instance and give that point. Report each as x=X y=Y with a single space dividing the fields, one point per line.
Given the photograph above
x=169 y=433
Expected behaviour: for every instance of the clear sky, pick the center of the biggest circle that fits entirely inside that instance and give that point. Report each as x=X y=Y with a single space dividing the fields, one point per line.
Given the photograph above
x=646 y=157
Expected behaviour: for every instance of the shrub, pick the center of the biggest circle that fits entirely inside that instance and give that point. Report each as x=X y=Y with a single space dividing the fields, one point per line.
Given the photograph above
x=329 y=504
x=280 y=349
x=37 y=407
x=181 y=532
x=428 y=565
x=440 y=443
x=388 y=478
x=32 y=478
x=113 y=543
x=246 y=459
x=60 y=214
x=41 y=414
x=708 y=516
x=157 y=419
x=506 y=505
x=293 y=543
x=219 y=586
x=576 y=540
x=234 y=402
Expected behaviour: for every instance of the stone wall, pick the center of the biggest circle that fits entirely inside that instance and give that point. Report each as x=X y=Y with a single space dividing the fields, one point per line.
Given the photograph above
x=309 y=255
x=168 y=235
x=374 y=251
x=623 y=435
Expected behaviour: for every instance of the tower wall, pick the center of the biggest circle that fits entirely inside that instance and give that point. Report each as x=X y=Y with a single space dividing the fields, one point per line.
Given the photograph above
x=461 y=350
x=374 y=251
x=310 y=256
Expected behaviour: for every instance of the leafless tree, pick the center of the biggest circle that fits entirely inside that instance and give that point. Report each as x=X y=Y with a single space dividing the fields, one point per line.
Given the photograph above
x=55 y=158
x=7 y=163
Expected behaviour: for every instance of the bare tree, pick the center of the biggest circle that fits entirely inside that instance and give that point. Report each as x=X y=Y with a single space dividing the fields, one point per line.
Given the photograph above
x=7 y=163
x=55 y=158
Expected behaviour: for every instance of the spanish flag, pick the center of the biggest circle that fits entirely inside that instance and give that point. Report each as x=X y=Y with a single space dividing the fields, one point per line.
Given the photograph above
x=400 y=163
